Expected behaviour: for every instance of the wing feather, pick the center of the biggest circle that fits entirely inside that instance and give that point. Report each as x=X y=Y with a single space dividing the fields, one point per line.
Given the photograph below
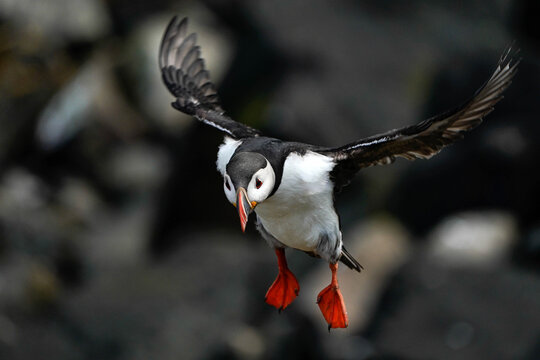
x=184 y=74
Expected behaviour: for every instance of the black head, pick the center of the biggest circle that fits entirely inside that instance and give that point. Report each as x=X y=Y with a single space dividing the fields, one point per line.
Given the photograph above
x=249 y=179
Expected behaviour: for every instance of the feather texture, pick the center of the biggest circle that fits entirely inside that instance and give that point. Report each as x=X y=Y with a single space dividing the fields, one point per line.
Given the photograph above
x=184 y=74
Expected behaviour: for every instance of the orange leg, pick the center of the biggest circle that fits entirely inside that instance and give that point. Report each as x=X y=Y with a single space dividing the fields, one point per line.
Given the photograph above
x=331 y=303
x=285 y=288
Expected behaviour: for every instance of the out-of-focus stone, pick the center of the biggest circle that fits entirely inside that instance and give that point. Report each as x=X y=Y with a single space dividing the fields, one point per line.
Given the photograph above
x=474 y=238
x=528 y=250
x=43 y=288
x=30 y=224
x=8 y=331
x=79 y=199
x=117 y=240
x=350 y=347
x=69 y=109
x=21 y=191
x=507 y=140
x=92 y=94
x=27 y=284
x=470 y=313
x=87 y=19
x=246 y=342
x=45 y=338
x=381 y=245
x=13 y=275
x=138 y=167
x=459 y=335
x=179 y=308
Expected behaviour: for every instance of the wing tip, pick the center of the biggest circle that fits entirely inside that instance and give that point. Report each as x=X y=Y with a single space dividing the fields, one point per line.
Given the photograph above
x=174 y=27
x=510 y=57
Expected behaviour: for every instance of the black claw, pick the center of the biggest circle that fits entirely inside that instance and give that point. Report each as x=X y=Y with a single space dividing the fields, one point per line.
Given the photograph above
x=329 y=328
x=279 y=310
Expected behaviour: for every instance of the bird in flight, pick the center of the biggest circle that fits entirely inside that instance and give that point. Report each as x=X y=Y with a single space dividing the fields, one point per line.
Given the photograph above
x=290 y=186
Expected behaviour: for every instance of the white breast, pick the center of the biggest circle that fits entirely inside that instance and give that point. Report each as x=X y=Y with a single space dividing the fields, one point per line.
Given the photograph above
x=302 y=209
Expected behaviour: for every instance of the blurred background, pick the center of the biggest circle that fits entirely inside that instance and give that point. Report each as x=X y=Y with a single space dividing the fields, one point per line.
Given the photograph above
x=117 y=242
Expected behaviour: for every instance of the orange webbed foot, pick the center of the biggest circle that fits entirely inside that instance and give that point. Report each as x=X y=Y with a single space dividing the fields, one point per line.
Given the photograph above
x=285 y=288
x=283 y=291
x=331 y=303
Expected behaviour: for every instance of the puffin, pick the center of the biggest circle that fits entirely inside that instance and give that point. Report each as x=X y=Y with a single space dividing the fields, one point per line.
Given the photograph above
x=290 y=186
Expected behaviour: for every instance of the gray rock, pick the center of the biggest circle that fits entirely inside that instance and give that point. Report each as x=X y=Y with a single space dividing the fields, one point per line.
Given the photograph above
x=140 y=168
x=117 y=239
x=92 y=97
x=185 y=307
x=474 y=239
x=87 y=19
x=434 y=311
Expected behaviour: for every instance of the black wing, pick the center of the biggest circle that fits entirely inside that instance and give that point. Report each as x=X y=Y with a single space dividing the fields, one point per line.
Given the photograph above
x=427 y=138
x=183 y=73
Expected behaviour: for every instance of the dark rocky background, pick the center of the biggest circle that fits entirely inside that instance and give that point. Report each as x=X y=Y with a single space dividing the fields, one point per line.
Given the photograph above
x=116 y=241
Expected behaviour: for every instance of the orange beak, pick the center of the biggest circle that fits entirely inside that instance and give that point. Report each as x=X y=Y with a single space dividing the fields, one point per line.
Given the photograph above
x=244 y=207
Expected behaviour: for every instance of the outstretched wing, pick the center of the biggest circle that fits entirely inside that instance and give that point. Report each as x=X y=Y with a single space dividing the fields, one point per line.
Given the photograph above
x=183 y=73
x=427 y=138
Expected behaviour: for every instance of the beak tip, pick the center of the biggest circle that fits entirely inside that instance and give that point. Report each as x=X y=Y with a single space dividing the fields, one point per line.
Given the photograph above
x=244 y=208
x=243 y=224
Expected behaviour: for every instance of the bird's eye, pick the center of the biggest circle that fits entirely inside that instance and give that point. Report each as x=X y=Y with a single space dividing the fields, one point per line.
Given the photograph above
x=227 y=185
x=258 y=183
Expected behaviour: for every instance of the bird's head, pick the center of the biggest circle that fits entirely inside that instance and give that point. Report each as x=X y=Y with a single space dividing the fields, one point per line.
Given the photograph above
x=248 y=180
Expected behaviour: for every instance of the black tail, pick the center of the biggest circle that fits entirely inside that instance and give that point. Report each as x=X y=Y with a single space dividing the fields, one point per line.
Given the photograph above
x=348 y=260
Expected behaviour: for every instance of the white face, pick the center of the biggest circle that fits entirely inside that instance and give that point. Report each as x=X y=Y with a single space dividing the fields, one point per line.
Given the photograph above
x=228 y=187
x=259 y=187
